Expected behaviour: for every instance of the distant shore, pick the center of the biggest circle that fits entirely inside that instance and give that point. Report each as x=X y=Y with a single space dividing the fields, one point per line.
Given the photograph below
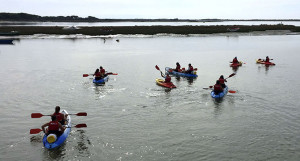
x=145 y=30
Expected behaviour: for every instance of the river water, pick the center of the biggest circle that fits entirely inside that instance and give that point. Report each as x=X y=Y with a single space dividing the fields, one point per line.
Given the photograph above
x=131 y=118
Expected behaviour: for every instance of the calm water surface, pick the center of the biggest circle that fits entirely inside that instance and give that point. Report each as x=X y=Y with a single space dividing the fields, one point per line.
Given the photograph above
x=131 y=118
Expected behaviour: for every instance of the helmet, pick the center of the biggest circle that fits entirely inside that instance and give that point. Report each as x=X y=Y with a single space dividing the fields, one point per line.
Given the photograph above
x=51 y=138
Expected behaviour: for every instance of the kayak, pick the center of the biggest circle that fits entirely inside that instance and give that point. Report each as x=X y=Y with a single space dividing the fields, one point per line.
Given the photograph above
x=172 y=72
x=101 y=81
x=220 y=95
x=236 y=64
x=61 y=139
x=260 y=61
x=163 y=84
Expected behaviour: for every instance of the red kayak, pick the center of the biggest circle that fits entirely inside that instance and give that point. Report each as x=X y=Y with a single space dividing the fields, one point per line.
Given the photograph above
x=236 y=64
x=260 y=61
x=161 y=82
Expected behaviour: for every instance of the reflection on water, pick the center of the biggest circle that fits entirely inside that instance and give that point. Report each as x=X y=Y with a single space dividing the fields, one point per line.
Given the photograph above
x=56 y=154
x=82 y=142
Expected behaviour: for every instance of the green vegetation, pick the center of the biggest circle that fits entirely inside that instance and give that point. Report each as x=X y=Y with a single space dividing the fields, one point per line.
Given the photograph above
x=35 y=18
x=146 y=30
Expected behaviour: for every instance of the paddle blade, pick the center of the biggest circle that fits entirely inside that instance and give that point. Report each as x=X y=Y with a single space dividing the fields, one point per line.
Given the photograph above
x=35 y=131
x=231 y=75
x=157 y=67
x=110 y=73
x=36 y=115
x=80 y=125
x=230 y=91
x=85 y=75
x=81 y=114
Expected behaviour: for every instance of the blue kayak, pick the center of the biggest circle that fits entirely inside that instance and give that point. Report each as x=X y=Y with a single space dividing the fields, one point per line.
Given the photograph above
x=61 y=139
x=101 y=81
x=220 y=95
x=172 y=72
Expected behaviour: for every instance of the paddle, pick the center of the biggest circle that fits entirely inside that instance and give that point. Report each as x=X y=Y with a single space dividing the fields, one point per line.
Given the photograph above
x=159 y=70
x=36 y=131
x=231 y=75
x=39 y=115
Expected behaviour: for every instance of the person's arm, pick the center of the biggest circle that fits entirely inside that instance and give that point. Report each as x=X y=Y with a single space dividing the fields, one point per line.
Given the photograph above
x=162 y=75
x=43 y=127
x=62 y=129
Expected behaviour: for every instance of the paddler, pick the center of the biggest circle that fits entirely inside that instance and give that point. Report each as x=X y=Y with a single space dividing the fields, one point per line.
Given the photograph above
x=235 y=61
x=54 y=127
x=218 y=88
x=190 y=69
x=167 y=77
x=222 y=81
x=178 y=67
x=59 y=116
x=267 y=59
x=97 y=74
x=102 y=72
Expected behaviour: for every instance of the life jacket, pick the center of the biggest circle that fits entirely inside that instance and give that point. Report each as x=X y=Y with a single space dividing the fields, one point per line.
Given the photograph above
x=58 y=116
x=53 y=126
x=267 y=60
x=168 y=79
x=235 y=61
x=178 y=67
x=191 y=68
x=102 y=71
x=218 y=88
x=98 y=74
x=222 y=81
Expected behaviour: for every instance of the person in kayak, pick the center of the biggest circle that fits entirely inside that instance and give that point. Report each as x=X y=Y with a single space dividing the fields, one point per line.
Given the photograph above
x=267 y=59
x=178 y=67
x=222 y=81
x=97 y=74
x=61 y=118
x=235 y=61
x=167 y=77
x=102 y=72
x=54 y=127
x=218 y=88
x=190 y=69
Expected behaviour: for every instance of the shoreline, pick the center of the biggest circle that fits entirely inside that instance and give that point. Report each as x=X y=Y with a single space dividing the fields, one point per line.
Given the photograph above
x=142 y=30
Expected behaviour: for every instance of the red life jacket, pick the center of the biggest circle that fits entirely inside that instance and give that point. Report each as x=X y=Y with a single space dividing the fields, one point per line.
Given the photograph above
x=168 y=79
x=218 y=88
x=235 y=61
x=178 y=67
x=191 y=69
x=102 y=71
x=98 y=74
x=58 y=116
x=267 y=60
x=222 y=81
x=53 y=126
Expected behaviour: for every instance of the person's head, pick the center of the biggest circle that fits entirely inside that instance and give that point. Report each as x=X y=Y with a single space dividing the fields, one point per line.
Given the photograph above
x=177 y=63
x=97 y=70
x=57 y=109
x=101 y=67
x=267 y=56
x=217 y=82
x=190 y=64
x=168 y=74
x=53 y=117
x=222 y=77
x=235 y=57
